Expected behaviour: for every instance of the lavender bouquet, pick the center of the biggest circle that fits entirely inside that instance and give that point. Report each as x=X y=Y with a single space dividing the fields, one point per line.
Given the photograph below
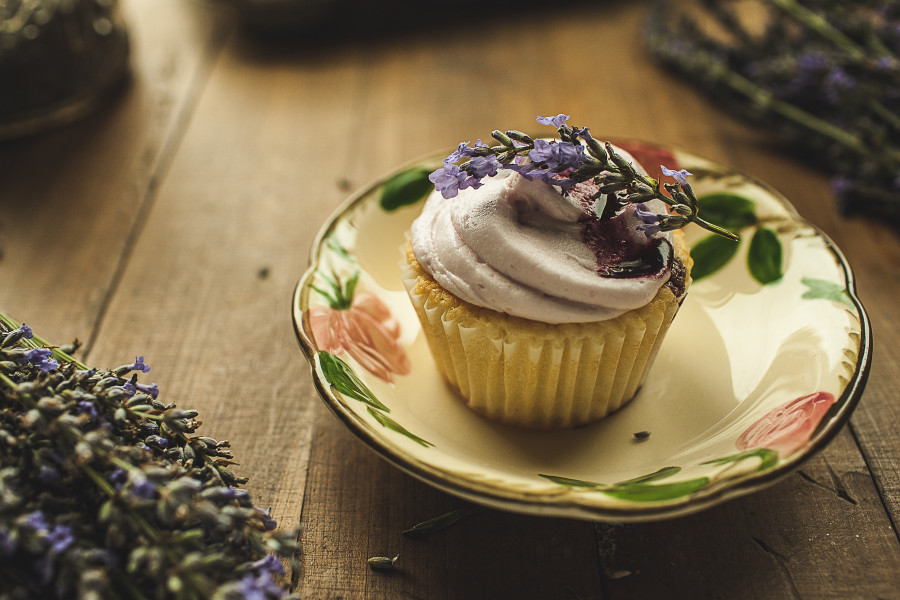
x=107 y=492
x=824 y=73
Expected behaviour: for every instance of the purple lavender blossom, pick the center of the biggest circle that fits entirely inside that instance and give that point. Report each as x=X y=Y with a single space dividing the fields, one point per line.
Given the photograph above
x=142 y=487
x=138 y=365
x=87 y=407
x=37 y=522
x=117 y=478
x=557 y=155
x=27 y=333
x=557 y=121
x=650 y=220
x=484 y=166
x=40 y=358
x=269 y=565
x=258 y=587
x=151 y=390
x=462 y=151
x=680 y=176
x=448 y=180
x=60 y=538
x=232 y=493
x=268 y=522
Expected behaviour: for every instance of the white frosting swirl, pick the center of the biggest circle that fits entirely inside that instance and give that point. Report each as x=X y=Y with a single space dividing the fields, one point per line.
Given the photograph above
x=517 y=246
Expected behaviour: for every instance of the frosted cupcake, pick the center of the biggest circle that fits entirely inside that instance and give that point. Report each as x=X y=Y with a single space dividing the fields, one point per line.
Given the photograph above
x=546 y=273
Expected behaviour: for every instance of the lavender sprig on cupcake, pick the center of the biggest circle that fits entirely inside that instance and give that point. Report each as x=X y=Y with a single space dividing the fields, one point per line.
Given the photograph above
x=575 y=158
x=545 y=287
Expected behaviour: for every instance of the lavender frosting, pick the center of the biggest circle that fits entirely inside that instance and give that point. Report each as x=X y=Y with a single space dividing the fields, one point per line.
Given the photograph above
x=520 y=247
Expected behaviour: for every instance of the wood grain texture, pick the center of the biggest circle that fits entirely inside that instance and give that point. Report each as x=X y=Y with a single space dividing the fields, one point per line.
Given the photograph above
x=72 y=199
x=176 y=224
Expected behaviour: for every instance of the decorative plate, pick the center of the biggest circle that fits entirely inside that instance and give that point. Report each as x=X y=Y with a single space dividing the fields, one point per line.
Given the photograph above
x=764 y=363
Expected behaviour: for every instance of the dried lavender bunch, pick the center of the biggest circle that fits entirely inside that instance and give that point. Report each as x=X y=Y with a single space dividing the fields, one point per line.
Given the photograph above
x=575 y=158
x=106 y=492
x=824 y=73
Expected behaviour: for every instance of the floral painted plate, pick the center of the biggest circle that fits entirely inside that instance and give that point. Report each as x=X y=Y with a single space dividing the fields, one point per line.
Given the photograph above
x=764 y=363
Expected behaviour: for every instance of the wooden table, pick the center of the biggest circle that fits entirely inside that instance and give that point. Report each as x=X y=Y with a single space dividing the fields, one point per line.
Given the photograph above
x=175 y=224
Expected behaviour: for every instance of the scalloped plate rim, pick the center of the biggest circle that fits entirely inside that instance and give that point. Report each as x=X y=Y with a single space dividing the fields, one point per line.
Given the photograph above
x=566 y=504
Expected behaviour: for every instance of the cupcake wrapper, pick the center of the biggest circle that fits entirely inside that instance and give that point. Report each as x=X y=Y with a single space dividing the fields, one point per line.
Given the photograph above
x=537 y=376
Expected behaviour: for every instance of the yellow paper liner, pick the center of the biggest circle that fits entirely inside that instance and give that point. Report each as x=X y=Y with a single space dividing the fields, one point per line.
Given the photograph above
x=537 y=375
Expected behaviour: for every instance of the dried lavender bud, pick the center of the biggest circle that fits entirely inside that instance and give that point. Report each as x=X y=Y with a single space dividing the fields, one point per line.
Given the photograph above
x=382 y=563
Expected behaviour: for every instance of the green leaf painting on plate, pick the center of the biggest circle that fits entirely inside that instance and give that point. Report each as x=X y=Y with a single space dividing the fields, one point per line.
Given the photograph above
x=820 y=289
x=735 y=212
x=396 y=427
x=731 y=211
x=343 y=379
x=644 y=488
x=764 y=256
x=639 y=489
x=767 y=458
x=711 y=254
x=405 y=188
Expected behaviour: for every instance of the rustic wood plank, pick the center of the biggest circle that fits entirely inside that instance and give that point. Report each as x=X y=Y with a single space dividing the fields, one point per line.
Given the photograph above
x=72 y=197
x=357 y=506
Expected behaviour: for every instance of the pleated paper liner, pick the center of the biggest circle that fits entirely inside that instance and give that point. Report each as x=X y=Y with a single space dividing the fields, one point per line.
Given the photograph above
x=537 y=375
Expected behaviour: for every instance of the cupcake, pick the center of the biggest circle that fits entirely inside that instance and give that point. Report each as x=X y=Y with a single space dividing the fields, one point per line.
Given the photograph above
x=546 y=273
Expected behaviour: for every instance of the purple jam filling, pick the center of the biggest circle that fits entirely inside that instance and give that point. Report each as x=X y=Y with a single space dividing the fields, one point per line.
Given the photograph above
x=619 y=253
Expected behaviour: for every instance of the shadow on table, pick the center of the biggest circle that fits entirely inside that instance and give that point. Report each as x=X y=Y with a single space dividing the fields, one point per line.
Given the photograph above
x=305 y=23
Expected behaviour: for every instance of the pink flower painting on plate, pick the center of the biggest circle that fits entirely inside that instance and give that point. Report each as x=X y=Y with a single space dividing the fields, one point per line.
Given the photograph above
x=786 y=428
x=361 y=325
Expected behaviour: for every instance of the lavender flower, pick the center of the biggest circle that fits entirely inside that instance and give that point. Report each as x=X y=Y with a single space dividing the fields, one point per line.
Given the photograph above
x=266 y=517
x=448 y=180
x=60 y=538
x=151 y=390
x=37 y=522
x=25 y=330
x=138 y=365
x=484 y=166
x=268 y=565
x=257 y=587
x=679 y=175
x=462 y=151
x=117 y=478
x=141 y=487
x=574 y=158
x=87 y=407
x=40 y=358
x=558 y=121
x=650 y=220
